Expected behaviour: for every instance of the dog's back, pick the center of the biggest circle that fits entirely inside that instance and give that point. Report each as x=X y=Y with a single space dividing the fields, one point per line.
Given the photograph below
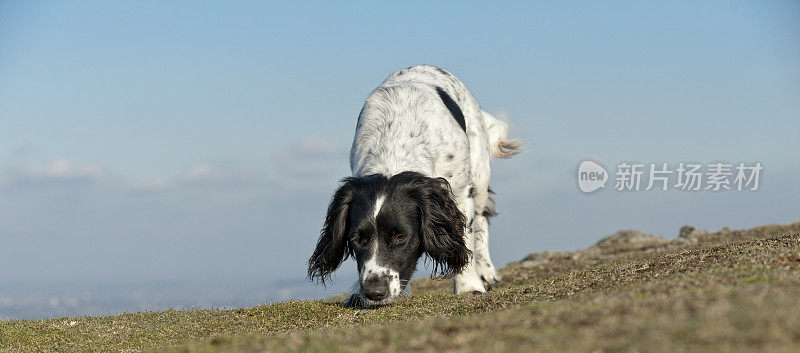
x=424 y=119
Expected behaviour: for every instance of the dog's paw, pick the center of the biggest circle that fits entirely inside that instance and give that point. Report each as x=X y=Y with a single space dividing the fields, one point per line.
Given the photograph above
x=467 y=284
x=488 y=275
x=354 y=302
x=489 y=283
x=350 y=301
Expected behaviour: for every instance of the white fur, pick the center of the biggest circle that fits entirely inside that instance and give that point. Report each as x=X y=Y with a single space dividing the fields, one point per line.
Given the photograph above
x=378 y=205
x=404 y=126
x=372 y=268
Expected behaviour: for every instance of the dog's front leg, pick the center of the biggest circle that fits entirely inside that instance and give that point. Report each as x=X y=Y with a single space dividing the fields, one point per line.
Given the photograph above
x=468 y=280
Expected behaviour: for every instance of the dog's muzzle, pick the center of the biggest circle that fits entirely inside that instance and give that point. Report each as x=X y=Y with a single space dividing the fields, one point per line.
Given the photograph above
x=375 y=288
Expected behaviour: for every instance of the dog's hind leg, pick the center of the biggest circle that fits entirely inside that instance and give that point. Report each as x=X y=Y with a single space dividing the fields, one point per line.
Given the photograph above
x=483 y=262
x=500 y=146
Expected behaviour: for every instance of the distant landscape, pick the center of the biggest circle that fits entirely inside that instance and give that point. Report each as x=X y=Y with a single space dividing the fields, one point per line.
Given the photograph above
x=30 y=300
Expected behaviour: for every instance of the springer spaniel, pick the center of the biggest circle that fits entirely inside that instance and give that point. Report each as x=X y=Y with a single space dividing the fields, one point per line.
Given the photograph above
x=420 y=185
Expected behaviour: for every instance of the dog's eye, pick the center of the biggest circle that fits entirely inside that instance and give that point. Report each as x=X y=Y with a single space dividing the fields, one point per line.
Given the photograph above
x=361 y=239
x=399 y=238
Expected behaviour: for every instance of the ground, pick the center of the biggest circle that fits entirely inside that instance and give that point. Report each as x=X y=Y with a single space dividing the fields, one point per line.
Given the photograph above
x=704 y=291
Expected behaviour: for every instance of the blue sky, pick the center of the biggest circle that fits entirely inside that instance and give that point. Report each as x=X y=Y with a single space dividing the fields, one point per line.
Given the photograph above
x=162 y=140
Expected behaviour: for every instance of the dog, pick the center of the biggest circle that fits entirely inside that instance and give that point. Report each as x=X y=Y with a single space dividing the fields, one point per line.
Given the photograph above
x=420 y=186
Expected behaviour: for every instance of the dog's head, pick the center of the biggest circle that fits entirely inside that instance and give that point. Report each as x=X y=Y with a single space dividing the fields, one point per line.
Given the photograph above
x=387 y=224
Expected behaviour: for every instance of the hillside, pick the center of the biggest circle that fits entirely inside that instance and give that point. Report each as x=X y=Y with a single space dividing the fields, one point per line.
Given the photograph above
x=703 y=291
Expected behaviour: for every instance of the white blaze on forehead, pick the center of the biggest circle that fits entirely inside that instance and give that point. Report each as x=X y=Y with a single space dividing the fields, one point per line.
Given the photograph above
x=378 y=205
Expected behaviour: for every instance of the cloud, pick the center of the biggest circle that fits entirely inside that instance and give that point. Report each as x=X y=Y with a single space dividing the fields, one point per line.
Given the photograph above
x=64 y=169
x=66 y=174
x=204 y=172
x=58 y=172
x=314 y=147
x=151 y=184
x=307 y=163
x=313 y=158
x=205 y=175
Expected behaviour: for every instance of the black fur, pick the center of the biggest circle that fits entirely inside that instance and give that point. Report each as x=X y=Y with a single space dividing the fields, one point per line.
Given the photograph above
x=490 y=209
x=332 y=247
x=453 y=107
x=443 y=72
x=441 y=222
x=416 y=205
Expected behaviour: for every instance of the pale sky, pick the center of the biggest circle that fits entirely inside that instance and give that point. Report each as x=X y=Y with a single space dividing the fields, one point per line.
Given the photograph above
x=165 y=140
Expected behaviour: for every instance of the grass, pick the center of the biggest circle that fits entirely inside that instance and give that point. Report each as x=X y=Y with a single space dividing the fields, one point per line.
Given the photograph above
x=729 y=290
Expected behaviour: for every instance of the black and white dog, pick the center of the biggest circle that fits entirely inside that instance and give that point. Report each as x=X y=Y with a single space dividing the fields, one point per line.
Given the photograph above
x=420 y=185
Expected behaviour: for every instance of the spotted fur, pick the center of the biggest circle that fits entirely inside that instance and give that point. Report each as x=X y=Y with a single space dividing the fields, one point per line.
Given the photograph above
x=422 y=120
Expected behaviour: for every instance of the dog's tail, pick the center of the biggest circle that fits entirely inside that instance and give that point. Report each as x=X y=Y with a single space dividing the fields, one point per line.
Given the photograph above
x=502 y=146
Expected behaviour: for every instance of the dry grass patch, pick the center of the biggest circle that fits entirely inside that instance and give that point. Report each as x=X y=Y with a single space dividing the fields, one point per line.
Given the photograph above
x=719 y=292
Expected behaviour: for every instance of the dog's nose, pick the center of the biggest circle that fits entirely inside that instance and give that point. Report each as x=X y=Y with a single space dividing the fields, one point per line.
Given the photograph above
x=374 y=290
x=376 y=294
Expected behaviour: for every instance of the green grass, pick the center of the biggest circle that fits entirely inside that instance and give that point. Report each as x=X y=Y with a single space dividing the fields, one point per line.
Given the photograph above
x=731 y=290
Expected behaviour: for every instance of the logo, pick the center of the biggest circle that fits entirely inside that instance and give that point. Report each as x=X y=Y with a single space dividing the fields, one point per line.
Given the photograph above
x=683 y=176
x=591 y=176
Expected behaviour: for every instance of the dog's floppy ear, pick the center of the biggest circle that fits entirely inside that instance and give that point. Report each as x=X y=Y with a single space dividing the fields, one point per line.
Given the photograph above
x=442 y=227
x=332 y=247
